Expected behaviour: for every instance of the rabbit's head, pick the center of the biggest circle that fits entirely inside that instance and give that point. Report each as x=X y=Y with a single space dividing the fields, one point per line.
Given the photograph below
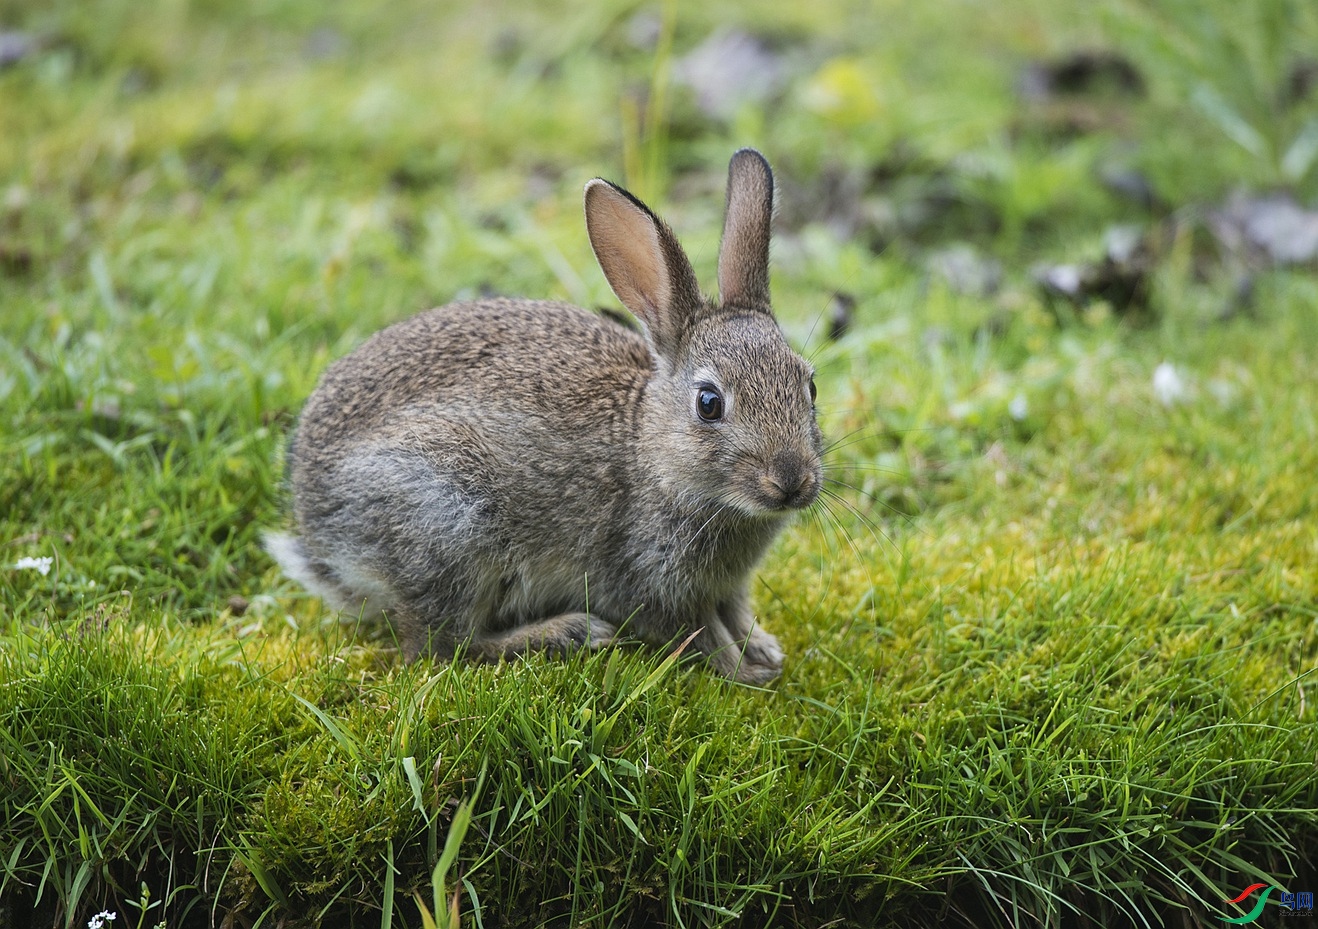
x=729 y=412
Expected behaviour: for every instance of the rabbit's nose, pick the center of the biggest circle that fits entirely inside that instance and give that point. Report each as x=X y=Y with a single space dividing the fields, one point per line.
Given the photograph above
x=790 y=482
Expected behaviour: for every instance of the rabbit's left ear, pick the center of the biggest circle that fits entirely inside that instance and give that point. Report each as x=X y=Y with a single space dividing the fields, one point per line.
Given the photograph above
x=644 y=264
x=743 y=258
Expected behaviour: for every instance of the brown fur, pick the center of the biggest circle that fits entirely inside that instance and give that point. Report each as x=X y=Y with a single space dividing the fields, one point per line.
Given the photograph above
x=511 y=475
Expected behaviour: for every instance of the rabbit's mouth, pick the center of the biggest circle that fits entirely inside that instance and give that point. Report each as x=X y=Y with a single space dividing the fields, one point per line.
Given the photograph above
x=778 y=492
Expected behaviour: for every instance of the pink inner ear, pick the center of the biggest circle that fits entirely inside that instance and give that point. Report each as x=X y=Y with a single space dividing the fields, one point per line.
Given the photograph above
x=626 y=244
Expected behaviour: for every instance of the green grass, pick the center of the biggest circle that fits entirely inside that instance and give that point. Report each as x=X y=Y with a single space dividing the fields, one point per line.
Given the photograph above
x=1050 y=648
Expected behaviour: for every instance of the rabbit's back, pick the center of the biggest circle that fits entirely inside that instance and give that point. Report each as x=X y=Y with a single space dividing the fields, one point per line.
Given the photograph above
x=491 y=359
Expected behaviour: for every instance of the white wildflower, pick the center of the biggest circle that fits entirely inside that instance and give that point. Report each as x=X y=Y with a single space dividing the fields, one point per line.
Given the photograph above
x=1168 y=385
x=36 y=564
x=100 y=919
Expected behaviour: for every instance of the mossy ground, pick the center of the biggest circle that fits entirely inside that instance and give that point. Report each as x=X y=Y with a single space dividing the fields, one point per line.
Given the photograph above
x=1050 y=643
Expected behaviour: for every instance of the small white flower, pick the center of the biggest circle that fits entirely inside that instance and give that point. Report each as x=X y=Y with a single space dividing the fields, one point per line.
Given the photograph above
x=35 y=564
x=100 y=919
x=1019 y=407
x=1168 y=385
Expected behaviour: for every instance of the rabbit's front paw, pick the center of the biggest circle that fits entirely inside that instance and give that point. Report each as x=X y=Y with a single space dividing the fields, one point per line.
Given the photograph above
x=761 y=658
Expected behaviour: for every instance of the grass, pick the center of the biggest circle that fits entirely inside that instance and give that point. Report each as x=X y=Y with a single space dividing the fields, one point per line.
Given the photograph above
x=1050 y=646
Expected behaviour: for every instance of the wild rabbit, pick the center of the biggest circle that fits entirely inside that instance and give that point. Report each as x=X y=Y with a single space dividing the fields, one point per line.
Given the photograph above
x=505 y=475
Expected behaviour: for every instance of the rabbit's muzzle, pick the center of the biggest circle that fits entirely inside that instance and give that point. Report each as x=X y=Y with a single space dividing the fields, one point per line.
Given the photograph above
x=790 y=483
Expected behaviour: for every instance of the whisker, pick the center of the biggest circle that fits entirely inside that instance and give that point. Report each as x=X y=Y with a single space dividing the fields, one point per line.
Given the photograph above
x=815 y=325
x=845 y=441
x=907 y=518
x=835 y=467
x=829 y=528
x=717 y=512
x=850 y=540
x=875 y=530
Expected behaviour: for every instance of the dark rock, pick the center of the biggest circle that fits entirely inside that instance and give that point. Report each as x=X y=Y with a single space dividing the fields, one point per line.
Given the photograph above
x=324 y=43
x=644 y=30
x=728 y=70
x=1132 y=185
x=840 y=313
x=15 y=46
x=1241 y=302
x=832 y=198
x=16 y=259
x=1122 y=277
x=507 y=46
x=1272 y=228
x=1092 y=72
x=965 y=270
x=911 y=199
x=1301 y=82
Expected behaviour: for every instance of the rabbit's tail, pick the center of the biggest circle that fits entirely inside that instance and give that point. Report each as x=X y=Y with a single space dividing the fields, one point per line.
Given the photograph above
x=320 y=578
x=297 y=563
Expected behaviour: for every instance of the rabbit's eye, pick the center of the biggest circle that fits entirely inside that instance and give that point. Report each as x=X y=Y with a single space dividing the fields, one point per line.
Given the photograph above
x=813 y=392
x=709 y=404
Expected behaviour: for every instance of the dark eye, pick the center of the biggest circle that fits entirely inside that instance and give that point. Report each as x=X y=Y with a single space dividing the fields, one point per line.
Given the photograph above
x=709 y=404
x=813 y=392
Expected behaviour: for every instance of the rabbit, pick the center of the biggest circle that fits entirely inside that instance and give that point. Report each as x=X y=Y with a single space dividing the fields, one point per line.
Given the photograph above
x=509 y=475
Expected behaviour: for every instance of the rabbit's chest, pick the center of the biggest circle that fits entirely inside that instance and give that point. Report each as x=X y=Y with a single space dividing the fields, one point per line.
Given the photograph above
x=703 y=556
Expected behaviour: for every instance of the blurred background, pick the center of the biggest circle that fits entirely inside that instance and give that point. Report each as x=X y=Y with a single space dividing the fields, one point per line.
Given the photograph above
x=418 y=151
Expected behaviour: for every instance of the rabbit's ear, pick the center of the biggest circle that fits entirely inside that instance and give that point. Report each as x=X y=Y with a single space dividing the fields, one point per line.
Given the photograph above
x=644 y=265
x=743 y=258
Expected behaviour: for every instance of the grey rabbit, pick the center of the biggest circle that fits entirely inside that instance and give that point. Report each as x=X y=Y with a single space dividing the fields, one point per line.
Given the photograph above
x=505 y=475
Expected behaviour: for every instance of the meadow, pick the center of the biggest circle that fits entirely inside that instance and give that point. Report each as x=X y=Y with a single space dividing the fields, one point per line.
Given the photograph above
x=1050 y=635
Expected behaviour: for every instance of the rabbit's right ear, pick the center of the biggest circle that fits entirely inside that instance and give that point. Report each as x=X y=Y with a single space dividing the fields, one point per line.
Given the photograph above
x=643 y=263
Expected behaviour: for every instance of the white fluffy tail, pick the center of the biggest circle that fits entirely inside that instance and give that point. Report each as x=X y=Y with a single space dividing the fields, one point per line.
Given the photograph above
x=362 y=598
x=287 y=549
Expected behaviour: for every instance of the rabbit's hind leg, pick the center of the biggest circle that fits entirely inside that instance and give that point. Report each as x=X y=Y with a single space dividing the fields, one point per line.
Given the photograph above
x=560 y=634
x=403 y=525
